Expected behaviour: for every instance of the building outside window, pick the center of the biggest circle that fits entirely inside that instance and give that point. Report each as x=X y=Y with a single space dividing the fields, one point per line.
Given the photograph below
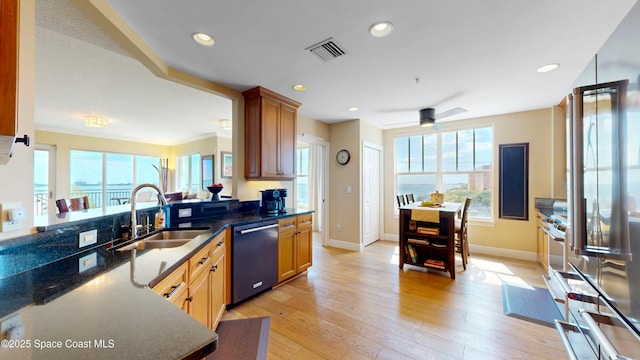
x=456 y=163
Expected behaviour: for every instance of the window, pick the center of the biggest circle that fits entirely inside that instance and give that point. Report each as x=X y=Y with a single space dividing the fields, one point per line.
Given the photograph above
x=108 y=178
x=302 y=177
x=188 y=173
x=456 y=163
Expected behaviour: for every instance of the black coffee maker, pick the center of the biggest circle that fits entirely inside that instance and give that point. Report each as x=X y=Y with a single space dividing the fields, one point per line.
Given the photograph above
x=273 y=201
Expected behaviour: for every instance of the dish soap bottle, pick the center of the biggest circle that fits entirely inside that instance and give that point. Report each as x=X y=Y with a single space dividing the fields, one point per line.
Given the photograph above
x=159 y=219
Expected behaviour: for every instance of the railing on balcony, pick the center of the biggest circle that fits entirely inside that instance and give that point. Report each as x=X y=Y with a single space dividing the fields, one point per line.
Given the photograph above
x=113 y=197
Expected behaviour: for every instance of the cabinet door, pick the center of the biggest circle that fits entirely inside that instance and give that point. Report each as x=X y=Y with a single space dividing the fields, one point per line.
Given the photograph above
x=9 y=14
x=304 y=243
x=287 y=141
x=199 y=295
x=217 y=281
x=286 y=248
x=270 y=138
x=181 y=300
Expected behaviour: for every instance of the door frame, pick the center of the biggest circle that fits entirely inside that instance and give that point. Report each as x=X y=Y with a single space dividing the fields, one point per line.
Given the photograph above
x=51 y=176
x=366 y=144
x=324 y=225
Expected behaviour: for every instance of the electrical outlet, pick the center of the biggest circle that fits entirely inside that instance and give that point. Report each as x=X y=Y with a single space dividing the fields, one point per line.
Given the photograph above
x=5 y=223
x=338 y=227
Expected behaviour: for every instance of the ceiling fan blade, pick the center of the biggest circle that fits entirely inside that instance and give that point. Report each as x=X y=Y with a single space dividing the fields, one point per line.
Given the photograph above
x=454 y=111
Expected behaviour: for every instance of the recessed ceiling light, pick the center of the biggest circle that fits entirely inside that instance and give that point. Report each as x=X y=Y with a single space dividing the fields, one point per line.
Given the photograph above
x=203 y=39
x=547 y=68
x=299 y=87
x=381 y=29
x=95 y=121
x=354 y=108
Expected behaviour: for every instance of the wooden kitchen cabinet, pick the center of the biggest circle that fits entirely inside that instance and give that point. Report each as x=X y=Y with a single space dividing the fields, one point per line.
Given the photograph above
x=270 y=135
x=174 y=287
x=295 y=239
x=199 y=286
x=9 y=23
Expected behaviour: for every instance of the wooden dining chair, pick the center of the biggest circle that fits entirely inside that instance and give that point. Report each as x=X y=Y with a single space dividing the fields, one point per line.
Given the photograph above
x=401 y=201
x=410 y=198
x=62 y=205
x=79 y=203
x=461 y=240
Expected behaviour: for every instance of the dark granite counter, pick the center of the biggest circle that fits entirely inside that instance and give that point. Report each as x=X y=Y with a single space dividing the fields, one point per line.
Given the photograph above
x=85 y=305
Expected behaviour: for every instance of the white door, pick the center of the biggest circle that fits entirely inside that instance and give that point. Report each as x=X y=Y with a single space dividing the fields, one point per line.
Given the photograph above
x=44 y=180
x=371 y=193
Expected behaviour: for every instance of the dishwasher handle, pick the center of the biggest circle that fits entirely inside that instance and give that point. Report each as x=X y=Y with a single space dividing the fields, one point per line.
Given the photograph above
x=259 y=228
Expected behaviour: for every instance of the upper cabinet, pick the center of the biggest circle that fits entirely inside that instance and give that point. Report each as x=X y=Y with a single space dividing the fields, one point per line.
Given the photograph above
x=8 y=66
x=270 y=135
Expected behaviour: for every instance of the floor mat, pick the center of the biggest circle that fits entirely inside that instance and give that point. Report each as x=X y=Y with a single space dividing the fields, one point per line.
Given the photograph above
x=529 y=303
x=242 y=339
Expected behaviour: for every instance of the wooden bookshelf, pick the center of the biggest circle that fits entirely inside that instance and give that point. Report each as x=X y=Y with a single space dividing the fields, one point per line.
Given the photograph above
x=426 y=244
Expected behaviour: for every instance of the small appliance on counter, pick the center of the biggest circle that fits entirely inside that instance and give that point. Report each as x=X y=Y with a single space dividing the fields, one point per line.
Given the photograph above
x=273 y=201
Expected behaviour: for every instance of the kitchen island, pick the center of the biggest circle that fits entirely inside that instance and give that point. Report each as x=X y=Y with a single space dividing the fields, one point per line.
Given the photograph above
x=61 y=310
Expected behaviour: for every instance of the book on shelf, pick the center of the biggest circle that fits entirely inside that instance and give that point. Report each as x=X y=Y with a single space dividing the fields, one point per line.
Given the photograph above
x=418 y=241
x=428 y=230
x=438 y=245
x=435 y=263
x=412 y=253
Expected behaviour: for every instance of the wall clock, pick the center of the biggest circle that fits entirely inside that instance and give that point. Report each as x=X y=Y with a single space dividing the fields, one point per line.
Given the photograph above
x=343 y=157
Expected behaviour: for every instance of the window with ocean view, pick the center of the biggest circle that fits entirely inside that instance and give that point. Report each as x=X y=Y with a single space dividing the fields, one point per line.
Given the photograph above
x=456 y=163
x=109 y=178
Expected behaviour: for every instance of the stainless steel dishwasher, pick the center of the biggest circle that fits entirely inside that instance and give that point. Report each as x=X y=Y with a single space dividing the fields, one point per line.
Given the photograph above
x=254 y=257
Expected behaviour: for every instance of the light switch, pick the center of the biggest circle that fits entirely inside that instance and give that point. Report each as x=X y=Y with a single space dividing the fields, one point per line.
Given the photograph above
x=88 y=238
x=348 y=189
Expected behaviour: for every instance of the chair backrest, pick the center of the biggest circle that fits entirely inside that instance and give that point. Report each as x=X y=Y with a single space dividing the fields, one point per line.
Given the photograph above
x=400 y=199
x=62 y=205
x=409 y=198
x=465 y=209
x=79 y=203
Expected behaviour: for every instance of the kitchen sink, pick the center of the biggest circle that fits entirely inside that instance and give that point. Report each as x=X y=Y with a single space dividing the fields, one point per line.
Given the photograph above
x=173 y=235
x=154 y=244
x=162 y=240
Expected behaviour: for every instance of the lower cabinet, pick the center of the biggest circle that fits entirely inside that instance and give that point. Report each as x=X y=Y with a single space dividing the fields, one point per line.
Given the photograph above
x=199 y=285
x=294 y=246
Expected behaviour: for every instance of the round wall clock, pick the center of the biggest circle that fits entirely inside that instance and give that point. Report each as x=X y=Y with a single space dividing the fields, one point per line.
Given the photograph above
x=343 y=157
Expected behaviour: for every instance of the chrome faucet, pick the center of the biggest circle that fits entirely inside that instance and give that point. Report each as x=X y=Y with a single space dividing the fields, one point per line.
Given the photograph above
x=134 y=219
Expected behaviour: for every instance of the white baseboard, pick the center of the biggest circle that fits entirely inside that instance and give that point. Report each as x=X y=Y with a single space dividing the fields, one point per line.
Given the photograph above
x=391 y=237
x=344 y=245
x=501 y=252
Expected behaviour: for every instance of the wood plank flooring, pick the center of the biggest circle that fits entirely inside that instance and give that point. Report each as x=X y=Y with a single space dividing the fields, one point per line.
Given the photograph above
x=354 y=305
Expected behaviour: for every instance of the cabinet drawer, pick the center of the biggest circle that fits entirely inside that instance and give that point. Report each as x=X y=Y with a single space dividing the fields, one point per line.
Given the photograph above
x=287 y=225
x=174 y=284
x=218 y=246
x=304 y=221
x=200 y=262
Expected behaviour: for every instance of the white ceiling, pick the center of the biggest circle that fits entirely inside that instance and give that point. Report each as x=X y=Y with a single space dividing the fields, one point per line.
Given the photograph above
x=480 y=55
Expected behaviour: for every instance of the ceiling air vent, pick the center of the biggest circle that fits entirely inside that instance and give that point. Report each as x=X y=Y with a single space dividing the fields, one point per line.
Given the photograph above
x=327 y=49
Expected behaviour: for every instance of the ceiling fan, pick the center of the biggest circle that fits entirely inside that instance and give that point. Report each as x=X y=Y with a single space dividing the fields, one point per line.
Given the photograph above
x=428 y=117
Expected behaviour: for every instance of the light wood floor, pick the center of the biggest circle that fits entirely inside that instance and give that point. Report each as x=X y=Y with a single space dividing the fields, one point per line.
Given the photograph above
x=354 y=305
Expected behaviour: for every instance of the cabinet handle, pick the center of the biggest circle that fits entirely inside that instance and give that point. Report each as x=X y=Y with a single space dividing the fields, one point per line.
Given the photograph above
x=204 y=260
x=214 y=268
x=174 y=288
x=220 y=243
x=189 y=299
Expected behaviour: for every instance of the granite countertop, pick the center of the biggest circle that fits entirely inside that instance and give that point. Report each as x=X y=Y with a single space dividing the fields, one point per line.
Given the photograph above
x=79 y=310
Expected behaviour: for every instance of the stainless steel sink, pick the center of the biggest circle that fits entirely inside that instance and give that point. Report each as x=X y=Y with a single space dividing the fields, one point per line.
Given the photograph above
x=173 y=235
x=162 y=240
x=154 y=244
